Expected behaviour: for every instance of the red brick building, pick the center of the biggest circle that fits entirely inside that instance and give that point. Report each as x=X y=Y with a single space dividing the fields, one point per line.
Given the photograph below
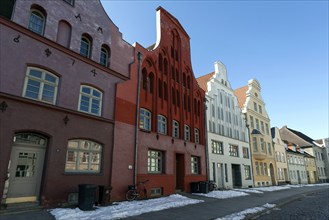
x=170 y=146
x=59 y=66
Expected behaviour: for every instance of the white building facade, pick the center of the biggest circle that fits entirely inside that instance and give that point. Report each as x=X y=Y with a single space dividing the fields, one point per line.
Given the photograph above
x=229 y=163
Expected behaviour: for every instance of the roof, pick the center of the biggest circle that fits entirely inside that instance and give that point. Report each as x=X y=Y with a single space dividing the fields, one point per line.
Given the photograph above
x=291 y=137
x=202 y=80
x=240 y=93
x=301 y=135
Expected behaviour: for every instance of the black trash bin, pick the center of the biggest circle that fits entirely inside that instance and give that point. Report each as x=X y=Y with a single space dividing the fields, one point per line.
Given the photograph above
x=87 y=196
x=104 y=194
x=203 y=186
x=195 y=187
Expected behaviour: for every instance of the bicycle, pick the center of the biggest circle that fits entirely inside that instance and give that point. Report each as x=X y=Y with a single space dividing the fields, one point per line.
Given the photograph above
x=136 y=191
x=212 y=185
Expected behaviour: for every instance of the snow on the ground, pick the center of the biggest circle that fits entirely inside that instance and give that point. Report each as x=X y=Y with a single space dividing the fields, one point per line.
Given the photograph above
x=249 y=191
x=241 y=215
x=124 y=209
x=272 y=188
x=222 y=194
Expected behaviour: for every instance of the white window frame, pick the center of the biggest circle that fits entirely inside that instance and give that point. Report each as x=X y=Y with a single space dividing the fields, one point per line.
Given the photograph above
x=175 y=129
x=234 y=150
x=245 y=152
x=195 y=165
x=217 y=147
x=196 y=136
x=162 y=124
x=187 y=133
x=154 y=161
x=104 y=57
x=43 y=82
x=36 y=14
x=145 y=118
x=91 y=98
x=85 y=41
x=85 y=154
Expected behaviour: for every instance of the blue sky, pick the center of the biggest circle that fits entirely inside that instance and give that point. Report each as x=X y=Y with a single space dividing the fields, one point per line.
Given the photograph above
x=283 y=44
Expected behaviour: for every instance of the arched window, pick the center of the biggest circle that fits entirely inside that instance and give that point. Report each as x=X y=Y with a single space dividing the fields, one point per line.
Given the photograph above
x=40 y=85
x=160 y=88
x=165 y=65
x=184 y=80
x=64 y=33
x=104 y=56
x=145 y=119
x=178 y=98
x=85 y=46
x=165 y=91
x=173 y=96
x=37 y=20
x=162 y=124
x=160 y=62
x=188 y=82
x=90 y=100
x=150 y=83
x=144 y=79
x=175 y=129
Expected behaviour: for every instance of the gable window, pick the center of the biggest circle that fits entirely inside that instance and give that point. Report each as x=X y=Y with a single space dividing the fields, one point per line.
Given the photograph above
x=145 y=119
x=255 y=106
x=196 y=136
x=83 y=156
x=186 y=133
x=40 y=85
x=175 y=129
x=217 y=147
x=154 y=161
x=104 y=57
x=90 y=100
x=195 y=164
x=37 y=21
x=260 y=109
x=162 y=124
x=85 y=46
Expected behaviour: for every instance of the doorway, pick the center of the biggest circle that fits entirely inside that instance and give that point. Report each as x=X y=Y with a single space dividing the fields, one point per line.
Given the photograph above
x=25 y=168
x=180 y=171
x=236 y=176
x=272 y=174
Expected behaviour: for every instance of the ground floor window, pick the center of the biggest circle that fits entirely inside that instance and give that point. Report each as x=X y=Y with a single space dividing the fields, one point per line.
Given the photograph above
x=154 y=161
x=83 y=156
x=195 y=161
x=247 y=172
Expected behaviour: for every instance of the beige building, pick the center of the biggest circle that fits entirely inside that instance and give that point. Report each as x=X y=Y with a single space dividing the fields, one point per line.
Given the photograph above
x=310 y=168
x=262 y=151
x=280 y=157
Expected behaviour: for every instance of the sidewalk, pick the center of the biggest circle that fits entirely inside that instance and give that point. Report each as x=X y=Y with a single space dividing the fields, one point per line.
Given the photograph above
x=211 y=208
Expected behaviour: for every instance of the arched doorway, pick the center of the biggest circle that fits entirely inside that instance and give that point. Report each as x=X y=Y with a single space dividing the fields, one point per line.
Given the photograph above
x=272 y=175
x=25 y=168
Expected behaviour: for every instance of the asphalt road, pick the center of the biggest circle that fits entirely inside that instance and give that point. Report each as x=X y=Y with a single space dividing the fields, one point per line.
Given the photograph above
x=314 y=206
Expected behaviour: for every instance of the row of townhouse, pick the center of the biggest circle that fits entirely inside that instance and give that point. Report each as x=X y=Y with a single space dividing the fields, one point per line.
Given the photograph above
x=243 y=150
x=79 y=105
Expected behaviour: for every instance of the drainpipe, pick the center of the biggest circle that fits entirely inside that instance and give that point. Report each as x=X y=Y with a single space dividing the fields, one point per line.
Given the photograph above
x=139 y=57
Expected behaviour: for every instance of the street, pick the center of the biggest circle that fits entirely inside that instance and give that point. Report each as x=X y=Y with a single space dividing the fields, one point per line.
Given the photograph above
x=311 y=206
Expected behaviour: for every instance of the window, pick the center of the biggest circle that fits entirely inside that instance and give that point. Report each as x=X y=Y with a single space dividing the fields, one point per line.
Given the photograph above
x=196 y=136
x=262 y=127
x=104 y=57
x=255 y=106
x=245 y=152
x=267 y=130
x=261 y=168
x=217 y=147
x=260 y=109
x=234 y=151
x=40 y=85
x=195 y=165
x=90 y=100
x=175 y=129
x=83 y=156
x=162 y=124
x=257 y=168
x=145 y=119
x=262 y=144
x=154 y=161
x=265 y=169
x=186 y=133
x=247 y=173
x=85 y=46
x=257 y=124
x=269 y=148
x=254 y=143
x=37 y=21
x=251 y=121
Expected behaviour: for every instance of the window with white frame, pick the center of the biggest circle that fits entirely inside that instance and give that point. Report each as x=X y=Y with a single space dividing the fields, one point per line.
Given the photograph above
x=267 y=129
x=269 y=148
x=195 y=163
x=247 y=172
x=175 y=129
x=234 y=150
x=90 y=100
x=83 y=156
x=196 y=136
x=217 y=147
x=37 y=21
x=162 y=124
x=257 y=124
x=154 y=161
x=262 y=127
x=104 y=57
x=255 y=106
x=40 y=85
x=254 y=143
x=252 y=122
x=262 y=144
x=260 y=109
x=85 y=46
x=145 y=119
x=186 y=133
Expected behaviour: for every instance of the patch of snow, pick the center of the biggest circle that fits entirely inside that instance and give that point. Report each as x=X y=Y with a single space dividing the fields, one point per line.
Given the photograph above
x=272 y=188
x=241 y=215
x=222 y=194
x=124 y=209
x=249 y=190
